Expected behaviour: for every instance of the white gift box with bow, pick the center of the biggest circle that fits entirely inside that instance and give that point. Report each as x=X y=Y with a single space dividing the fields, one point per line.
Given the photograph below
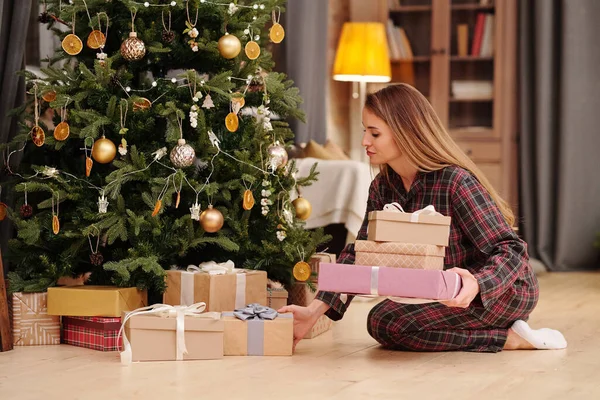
x=425 y=226
x=162 y=332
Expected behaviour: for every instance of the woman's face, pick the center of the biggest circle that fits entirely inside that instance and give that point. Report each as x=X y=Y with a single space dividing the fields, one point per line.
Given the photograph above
x=378 y=140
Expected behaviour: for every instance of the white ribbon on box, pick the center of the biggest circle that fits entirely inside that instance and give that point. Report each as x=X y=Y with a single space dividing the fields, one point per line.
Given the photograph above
x=395 y=207
x=213 y=268
x=165 y=311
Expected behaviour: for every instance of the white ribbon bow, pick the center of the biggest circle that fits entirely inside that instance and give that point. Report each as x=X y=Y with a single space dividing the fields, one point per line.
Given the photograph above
x=213 y=268
x=395 y=207
x=165 y=311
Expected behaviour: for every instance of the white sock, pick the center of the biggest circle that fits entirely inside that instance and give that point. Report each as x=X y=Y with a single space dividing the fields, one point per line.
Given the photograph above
x=543 y=339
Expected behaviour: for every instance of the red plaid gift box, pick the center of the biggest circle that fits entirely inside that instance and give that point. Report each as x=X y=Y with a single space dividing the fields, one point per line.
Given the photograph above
x=98 y=333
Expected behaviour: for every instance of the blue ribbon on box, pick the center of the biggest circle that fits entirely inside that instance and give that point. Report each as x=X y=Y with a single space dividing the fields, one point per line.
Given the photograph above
x=255 y=315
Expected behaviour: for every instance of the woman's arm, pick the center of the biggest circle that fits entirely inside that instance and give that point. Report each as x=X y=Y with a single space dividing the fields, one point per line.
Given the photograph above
x=481 y=221
x=337 y=303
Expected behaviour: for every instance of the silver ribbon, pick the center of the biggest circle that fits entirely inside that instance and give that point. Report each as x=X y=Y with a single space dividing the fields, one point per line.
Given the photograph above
x=255 y=311
x=255 y=316
x=375 y=281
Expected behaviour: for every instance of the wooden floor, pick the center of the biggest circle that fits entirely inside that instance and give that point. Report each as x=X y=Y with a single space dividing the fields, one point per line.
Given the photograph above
x=342 y=364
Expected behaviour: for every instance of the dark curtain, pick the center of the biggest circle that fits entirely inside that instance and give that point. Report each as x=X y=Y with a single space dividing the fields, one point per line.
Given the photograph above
x=306 y=64
x=14 y=23
x=560 y=139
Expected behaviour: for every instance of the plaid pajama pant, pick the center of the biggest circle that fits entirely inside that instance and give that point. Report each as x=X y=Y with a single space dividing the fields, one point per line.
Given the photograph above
x=436 y=327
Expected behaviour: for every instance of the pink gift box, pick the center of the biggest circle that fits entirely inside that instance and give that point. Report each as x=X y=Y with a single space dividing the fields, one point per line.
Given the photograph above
x=388 y=281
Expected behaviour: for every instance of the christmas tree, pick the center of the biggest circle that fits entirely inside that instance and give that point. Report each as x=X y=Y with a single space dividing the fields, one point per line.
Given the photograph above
x=169 y=125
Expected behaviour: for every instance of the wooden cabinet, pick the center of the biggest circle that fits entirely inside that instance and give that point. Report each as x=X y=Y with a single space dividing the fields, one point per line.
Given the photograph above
x=484 y=122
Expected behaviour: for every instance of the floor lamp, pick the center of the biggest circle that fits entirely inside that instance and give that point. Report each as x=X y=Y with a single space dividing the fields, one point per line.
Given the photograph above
x=362 y=56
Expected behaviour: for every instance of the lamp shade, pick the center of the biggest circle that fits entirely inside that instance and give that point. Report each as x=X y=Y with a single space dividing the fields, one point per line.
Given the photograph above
x=362 y=53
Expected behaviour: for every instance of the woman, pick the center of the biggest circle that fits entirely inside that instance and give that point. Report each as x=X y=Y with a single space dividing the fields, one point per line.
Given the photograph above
x=420 y=165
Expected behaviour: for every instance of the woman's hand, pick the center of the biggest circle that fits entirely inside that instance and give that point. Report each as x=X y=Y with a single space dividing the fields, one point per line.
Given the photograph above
x=470 y=289
x=304 y=318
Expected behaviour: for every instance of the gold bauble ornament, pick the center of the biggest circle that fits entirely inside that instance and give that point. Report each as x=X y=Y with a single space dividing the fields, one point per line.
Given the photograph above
x=62 y=130
x=133 y=48
x=96 y=39
x=232 y=122
x=211 y=219
x=252 y=50
x=104 y=150
x=277 y=33
x=72 y=45
x=303 y=208
x=229 y=46
x=301 y=271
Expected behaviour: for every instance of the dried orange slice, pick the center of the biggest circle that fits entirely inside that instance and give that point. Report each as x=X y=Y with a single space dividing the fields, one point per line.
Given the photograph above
x=157 y=208
x=301 y=271
x=38 y=136
x=3 y=211
x=89 y=163
x=238 y=98
x=277 y=33
x=248 y=202
x=252 y=50
x=141 y=104
x=96 y=39
x=49 y=96
x=61 y=132
x=232 y=122
x=72 y=45
x=55 y=224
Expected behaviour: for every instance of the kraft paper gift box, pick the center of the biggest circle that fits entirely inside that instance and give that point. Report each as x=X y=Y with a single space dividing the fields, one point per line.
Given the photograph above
x=389 y=281
x=94 y=301
x=31 y=323
x=323 y=325
x=277 y=297
x=400 y=255
x=318 y=258
x=302 y=295
x=172 y=333
x=418 y=227
x=224 y=292
x=97 y=333
x=268 y=333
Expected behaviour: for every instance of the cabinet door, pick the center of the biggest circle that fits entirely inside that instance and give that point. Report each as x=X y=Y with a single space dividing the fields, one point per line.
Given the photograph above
x=409 y=31
x=440 y=40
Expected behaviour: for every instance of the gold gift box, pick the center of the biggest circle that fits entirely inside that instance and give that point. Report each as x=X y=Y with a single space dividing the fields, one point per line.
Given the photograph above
x=94 y=301
x=399 y=255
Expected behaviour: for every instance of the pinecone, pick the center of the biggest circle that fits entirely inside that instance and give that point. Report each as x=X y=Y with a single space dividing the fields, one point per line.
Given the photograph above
x=44 y=18
x=168 y=36
x=26 y=211
x=256 y=87
x=114 y=80
x=96 y=259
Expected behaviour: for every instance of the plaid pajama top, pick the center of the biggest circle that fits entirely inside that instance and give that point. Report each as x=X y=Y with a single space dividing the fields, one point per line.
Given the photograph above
x=480 y=240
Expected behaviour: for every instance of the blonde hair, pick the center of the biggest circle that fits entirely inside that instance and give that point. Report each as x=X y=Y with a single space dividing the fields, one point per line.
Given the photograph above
x=421 y=136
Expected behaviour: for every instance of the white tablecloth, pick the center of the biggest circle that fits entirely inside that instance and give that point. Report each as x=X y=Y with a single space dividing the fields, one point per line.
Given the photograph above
x=340 y=194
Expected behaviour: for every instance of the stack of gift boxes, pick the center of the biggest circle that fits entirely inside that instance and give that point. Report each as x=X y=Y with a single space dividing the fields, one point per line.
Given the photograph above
x=402 y=258
x=205 y=315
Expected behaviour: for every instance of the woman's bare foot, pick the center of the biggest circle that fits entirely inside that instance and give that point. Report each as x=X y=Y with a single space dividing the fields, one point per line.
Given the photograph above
x=516 y=342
